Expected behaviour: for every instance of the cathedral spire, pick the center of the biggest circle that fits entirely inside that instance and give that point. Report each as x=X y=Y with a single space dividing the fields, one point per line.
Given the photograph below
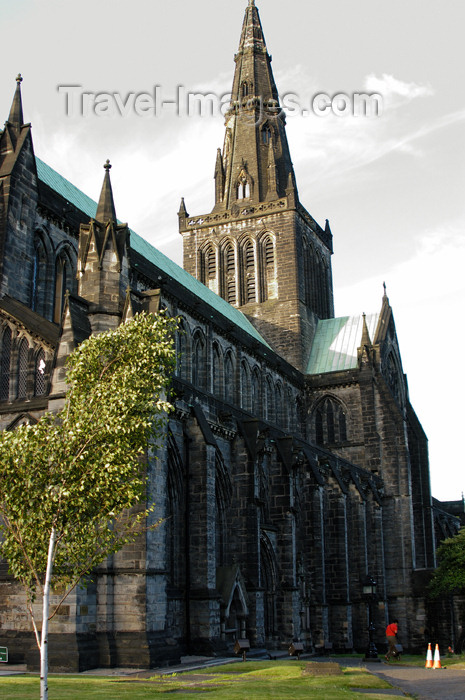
x=366 y=341
x=253 y=120
x=106 y=206
x=16 y=112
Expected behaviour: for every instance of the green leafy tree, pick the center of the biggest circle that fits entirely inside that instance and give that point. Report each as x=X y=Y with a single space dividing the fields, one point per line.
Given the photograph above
x=67 y=482
x=449 y=577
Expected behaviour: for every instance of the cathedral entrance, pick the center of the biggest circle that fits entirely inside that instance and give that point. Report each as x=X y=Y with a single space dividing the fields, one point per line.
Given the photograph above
x=234 y=603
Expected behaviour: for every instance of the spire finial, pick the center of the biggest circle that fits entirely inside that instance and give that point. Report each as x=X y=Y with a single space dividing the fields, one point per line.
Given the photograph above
x=15 y=117
x=366 y=340
x=182 y=209
x=106 y=206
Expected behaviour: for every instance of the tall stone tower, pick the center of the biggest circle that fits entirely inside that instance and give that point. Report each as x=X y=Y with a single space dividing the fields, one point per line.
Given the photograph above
x=259 y=248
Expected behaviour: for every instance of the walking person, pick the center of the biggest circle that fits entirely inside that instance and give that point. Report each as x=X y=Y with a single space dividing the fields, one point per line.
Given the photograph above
x=391 y=636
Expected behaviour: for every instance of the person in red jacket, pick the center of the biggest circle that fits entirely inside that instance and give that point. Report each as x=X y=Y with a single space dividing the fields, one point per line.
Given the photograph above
x=391 y=636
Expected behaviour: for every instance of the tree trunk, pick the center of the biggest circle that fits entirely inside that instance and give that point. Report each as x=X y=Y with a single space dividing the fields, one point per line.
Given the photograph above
x=45 y=615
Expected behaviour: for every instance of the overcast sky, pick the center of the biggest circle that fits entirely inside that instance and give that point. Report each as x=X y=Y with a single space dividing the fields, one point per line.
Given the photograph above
x=391 y=186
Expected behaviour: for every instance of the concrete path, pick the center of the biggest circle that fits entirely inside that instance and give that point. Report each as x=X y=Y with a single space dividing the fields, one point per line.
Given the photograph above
x=423 y=683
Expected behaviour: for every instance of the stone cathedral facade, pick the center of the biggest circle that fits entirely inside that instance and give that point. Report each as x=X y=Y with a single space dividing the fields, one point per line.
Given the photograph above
x=293 y=466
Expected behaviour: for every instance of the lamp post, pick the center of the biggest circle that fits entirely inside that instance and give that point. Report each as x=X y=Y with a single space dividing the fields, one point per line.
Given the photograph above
x=369 y=592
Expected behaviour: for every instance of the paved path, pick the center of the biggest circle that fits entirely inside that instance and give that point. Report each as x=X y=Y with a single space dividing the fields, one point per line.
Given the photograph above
x=423 y=683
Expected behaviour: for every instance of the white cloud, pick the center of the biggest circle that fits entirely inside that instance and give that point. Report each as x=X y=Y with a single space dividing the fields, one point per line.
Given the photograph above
x=395 y=91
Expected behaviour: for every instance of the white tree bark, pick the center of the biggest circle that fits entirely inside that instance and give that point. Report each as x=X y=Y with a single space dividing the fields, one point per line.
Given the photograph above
x=45 y=616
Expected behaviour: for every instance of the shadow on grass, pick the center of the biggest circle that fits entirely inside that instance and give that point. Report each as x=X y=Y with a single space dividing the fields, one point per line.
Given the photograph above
x=273 y=680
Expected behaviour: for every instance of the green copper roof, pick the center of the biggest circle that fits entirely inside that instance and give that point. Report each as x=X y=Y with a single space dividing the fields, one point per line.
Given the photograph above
x=337 y=341
x=87 y=205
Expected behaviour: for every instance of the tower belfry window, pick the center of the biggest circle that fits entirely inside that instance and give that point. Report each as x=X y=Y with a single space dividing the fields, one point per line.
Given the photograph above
x=243 y=186
x=249 y=262
x=230 y=277
x=268 y=257
x=211 y=263
x=266 y=134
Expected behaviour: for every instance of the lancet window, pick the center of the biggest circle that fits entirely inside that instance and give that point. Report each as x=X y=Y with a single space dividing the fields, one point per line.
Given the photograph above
x=330 y=422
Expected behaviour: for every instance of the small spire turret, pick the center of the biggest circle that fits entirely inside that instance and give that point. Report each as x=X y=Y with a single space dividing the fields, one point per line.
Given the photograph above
x=15 y=117
x=366 y=340
x=219 y=178
x=106 y=206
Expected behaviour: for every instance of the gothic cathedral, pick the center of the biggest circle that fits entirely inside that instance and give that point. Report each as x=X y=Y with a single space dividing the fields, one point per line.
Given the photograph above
x=293 y=451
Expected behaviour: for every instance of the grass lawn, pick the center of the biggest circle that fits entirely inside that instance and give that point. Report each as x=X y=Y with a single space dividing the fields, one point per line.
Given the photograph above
x=454 y=661
x=258 y=680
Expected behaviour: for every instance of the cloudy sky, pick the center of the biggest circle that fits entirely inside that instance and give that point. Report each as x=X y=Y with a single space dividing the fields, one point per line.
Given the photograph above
x=392 y=186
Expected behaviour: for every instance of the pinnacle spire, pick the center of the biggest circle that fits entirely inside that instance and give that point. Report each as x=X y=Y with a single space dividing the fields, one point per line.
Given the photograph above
x=366 y=341
x=252 y=37
x=15 y=117
x=182 y=208
x=106 y=207
x=253 y=120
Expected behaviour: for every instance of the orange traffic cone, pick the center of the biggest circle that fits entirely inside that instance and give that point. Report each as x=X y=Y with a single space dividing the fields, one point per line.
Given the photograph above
x=437 y=658
x=429 y=657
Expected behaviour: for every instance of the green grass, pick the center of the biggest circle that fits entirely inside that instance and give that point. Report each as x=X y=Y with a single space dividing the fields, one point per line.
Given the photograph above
x=456 y=660
x=270 y=680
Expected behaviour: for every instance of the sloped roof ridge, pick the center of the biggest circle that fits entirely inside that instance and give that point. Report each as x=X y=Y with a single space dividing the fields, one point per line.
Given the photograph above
x=88 y=206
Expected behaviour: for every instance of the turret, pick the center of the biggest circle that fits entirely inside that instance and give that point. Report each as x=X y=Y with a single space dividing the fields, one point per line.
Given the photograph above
x=103 y=274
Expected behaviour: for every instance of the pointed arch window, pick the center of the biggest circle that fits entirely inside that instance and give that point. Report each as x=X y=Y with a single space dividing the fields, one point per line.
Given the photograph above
x=269 y=403
x=39 y=374
x=268 y=258
x=175 y=514
x=245 y=88
x=243 y=187
x=266 y=134
x=256 y=407
x=216 y=370
x=268 y=579
x=23 y=357
x=246 y=390
x=393 y=376
x=5 y=365
x=209 y=267
x=307 y=262
x=182 y=359
x=279 y=404
x=199 y=362
x=228 y=379
x=229 y=267
x=289 y=411
x=330 y=425
x=249 y=263
x=39 y=276
x=62 y=278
